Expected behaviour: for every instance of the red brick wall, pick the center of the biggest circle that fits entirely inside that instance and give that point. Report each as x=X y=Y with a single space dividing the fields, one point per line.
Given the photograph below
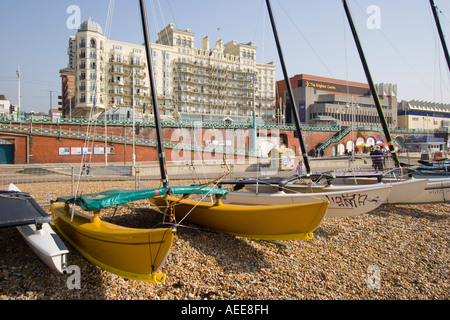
x=45 y=149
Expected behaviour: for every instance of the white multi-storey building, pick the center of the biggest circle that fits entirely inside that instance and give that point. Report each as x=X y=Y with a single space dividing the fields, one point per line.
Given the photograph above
x=221 y=83
x=5 y=106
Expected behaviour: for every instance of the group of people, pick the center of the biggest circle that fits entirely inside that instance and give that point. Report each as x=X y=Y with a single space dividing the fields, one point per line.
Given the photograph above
x=376 y=153
x=317 y=153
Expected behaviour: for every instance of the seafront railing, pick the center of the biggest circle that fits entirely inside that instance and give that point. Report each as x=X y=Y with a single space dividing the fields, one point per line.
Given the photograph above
x=4 y=119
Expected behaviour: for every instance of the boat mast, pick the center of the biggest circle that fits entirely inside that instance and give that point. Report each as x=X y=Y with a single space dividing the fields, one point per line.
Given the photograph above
x=373 y=90
x=161 y=154
x=289 y=88
x=441 y=34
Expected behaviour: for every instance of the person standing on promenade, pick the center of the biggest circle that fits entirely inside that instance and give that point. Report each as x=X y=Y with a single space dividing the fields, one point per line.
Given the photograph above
x=299 y=170
x=378 y=158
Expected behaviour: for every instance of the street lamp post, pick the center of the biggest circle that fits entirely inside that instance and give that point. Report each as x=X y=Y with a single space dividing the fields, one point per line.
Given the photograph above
x=18 y=92
x=51 y=91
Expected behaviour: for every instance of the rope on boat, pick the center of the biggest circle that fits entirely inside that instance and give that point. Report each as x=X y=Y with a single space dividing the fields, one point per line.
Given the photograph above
x=285 y=188
x=83 y=160
x=213 y=182
x=157 y=252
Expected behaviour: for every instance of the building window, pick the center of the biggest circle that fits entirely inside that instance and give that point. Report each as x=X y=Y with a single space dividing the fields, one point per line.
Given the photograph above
x=92 y=43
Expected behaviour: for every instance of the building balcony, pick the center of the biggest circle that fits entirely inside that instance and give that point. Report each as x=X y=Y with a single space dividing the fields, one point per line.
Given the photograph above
x=141 y=74
x=118 y=61
x=116 y=71
x=138 y=65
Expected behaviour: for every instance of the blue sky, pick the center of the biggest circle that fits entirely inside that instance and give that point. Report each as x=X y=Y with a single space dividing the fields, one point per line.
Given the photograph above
x=315 y=37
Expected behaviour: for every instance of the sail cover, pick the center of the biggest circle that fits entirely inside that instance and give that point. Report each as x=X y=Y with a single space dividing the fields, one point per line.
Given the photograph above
x=109 y=198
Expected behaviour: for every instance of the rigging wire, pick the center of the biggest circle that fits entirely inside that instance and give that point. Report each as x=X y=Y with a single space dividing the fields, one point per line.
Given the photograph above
x=214 y=183
x=398 y=51
x=347 y=82
x=171 y=12
x=178 y=78
x=80 y=171
x=197 y=148
x=109 y=18
x=440 y=57
x=155 y=17
x=257 y=20
x=306 y=40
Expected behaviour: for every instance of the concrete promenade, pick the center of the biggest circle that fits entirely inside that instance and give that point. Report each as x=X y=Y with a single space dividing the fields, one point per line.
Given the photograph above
x=204 y=170
x=245 y=170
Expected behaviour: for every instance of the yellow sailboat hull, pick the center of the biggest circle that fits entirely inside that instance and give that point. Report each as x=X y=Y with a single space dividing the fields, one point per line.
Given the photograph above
x=277 y=222
x=128 y=252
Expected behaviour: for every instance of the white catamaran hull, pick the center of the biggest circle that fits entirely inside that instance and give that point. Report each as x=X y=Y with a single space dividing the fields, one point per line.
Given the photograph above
x=341 y=203
x=409 y=191
x=401 y=191
x=436 y=191
x=45 y=243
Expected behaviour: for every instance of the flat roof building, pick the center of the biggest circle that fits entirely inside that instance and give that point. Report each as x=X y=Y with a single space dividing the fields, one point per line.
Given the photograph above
x=426 y=115
x=326 y=101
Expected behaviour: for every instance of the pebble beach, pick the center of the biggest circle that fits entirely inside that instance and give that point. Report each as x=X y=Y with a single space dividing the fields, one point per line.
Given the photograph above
x=396 y=252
